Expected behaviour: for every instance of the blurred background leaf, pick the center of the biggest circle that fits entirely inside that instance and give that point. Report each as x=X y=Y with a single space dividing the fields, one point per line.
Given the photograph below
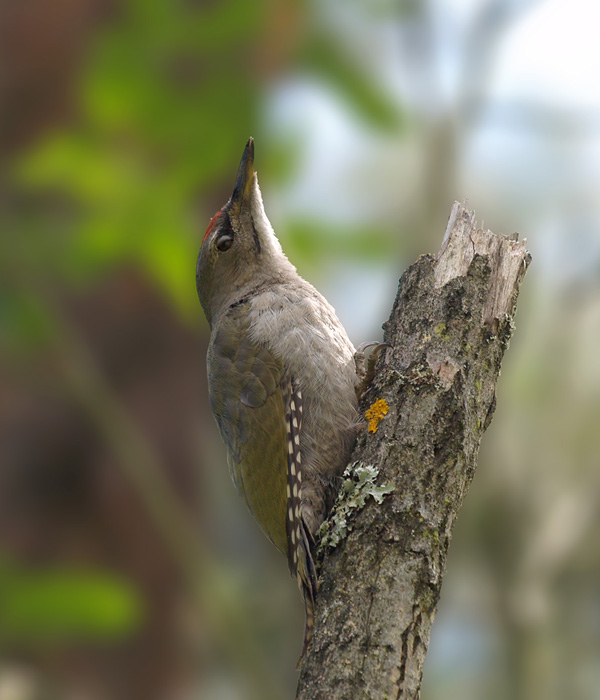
x=64 y=606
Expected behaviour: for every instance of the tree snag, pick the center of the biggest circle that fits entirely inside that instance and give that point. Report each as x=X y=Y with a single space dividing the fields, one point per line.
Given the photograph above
x=431 y=400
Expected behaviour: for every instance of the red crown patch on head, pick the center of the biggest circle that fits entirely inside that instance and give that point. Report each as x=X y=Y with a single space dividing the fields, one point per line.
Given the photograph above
x=212 y=223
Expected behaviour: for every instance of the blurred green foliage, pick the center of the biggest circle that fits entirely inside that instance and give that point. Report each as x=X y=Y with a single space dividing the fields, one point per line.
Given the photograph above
x=349 y=79
x=313 y=242
x=163 y=117
x=167 y=97
x=64 y=605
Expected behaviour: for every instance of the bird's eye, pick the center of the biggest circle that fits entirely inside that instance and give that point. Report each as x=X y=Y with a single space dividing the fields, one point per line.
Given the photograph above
x=224 y=242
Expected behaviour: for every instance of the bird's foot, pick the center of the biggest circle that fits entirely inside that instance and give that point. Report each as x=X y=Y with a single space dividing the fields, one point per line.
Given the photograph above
x=365 y=365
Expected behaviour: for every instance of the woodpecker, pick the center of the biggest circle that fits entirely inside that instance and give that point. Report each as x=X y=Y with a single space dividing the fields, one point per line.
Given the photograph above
x=282 y=378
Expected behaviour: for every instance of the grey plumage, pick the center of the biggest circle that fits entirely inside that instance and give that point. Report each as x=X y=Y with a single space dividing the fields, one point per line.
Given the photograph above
x=279 y=365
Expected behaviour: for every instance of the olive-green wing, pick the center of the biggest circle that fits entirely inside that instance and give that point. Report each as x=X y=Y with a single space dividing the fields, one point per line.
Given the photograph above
x=245 y=384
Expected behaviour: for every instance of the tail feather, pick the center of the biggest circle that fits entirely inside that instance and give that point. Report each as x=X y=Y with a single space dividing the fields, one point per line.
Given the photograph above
x=307 y=583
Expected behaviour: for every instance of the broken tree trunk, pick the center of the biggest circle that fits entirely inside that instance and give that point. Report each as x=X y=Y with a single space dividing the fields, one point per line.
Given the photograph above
x=380 y=581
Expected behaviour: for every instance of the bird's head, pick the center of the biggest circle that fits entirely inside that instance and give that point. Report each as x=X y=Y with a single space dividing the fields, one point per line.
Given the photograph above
x=239 y=251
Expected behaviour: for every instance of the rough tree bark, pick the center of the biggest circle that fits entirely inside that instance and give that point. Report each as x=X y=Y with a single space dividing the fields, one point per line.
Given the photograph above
x=449 y=328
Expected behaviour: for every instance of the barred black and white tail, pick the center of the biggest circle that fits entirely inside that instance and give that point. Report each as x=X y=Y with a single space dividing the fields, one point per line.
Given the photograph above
x=299 y=539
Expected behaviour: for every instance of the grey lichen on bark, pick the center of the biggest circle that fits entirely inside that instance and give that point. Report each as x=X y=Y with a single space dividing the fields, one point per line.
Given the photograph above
x=379 y=587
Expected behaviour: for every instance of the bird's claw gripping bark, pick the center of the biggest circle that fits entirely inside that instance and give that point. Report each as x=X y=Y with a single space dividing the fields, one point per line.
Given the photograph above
x=365 y=365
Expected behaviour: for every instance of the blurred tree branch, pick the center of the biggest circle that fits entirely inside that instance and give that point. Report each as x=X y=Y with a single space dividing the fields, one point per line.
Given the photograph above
x=449 y=328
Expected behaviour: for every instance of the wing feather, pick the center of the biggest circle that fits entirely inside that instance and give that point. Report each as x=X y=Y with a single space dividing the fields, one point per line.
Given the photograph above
x=245 y=393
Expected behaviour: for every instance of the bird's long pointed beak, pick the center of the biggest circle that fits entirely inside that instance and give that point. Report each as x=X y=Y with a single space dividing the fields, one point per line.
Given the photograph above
x=245 y=176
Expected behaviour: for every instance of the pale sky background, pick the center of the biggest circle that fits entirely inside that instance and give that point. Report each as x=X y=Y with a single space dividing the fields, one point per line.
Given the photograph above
x=514 y=168
x=549 y=57
x=554 y=54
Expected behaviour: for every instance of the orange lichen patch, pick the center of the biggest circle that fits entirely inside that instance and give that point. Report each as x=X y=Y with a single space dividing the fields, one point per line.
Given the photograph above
x=376 y=413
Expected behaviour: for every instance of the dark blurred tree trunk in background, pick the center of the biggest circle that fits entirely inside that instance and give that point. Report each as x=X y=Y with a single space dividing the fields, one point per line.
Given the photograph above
x=42 y=46
x=449 y=328
x=65 y=500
